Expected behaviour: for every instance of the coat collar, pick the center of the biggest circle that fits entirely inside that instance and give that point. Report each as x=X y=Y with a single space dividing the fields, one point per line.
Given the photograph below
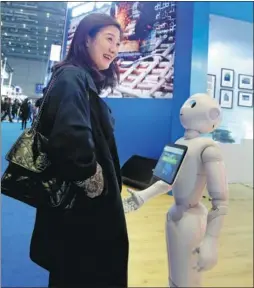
x=91 y=83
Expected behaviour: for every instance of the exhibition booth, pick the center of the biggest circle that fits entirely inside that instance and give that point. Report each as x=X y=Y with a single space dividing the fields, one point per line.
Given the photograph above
x=172 y=50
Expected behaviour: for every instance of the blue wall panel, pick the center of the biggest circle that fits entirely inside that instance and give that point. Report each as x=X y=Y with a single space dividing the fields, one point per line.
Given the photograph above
x=141 y=126
x=236 y=10
x=200 y=42
x=184 y=26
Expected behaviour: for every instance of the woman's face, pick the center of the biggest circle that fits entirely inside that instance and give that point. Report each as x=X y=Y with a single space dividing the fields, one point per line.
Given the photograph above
x=103 y=49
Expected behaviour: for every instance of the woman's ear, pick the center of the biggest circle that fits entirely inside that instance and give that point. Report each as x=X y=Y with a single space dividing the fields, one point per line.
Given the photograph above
x=88 y=41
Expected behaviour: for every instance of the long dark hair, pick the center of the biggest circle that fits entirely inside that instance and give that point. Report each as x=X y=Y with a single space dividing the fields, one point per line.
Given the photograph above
x=78 y=54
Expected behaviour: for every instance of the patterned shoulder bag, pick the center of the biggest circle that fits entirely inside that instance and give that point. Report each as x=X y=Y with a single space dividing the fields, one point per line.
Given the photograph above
x=25 y=178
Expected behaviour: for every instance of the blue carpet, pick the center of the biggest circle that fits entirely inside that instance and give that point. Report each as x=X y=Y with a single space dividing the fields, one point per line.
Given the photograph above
x=17 y=226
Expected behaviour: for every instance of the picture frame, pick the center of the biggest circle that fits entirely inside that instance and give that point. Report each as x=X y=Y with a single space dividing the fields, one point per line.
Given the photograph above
x=245 y=82
x=226 y=98
x=245 y=99
x=227 y=78
x=211 y=85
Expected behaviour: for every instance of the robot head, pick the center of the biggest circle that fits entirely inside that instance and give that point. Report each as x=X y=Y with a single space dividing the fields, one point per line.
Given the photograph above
x=200 y=113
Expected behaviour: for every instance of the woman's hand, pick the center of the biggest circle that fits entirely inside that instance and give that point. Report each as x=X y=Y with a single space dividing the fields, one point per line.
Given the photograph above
x=94 y=185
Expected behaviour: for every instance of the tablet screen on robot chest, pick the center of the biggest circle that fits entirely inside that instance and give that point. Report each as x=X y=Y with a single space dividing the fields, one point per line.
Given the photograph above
x=170 y=162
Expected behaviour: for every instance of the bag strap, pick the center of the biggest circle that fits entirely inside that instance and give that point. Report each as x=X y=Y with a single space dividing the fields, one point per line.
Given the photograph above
x=37 y=120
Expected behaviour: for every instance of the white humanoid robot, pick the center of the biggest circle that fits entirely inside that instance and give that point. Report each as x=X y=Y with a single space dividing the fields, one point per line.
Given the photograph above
x=192 y=233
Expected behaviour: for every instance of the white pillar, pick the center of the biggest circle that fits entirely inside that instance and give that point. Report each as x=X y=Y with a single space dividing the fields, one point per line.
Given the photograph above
x=2 y=80
x=10 y=79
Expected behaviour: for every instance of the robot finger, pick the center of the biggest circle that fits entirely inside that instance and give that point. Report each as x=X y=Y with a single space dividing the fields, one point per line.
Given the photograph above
x=196 y=250
x=131 y=191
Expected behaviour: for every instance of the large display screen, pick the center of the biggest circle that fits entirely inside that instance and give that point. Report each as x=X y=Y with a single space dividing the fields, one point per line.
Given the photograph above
x=147 y=52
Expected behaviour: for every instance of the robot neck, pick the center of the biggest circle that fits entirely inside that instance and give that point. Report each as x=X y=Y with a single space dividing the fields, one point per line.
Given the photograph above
x=190 y=134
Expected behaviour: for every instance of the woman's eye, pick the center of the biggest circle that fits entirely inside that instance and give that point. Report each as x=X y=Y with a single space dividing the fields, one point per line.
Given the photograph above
x=110 y=39
x=118 y=44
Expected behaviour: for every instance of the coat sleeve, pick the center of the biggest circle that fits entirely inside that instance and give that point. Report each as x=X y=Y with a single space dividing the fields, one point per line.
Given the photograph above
x=71 y=147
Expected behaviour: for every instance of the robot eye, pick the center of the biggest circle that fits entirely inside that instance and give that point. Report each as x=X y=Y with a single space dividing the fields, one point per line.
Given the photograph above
x=192 y=103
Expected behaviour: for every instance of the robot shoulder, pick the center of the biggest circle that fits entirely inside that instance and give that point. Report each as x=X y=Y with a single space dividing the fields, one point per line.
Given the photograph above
x=211 y=154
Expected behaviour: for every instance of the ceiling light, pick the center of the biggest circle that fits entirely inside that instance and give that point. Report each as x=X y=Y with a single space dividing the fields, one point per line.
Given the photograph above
x=1 y=23
x=48 y=15
x=28 y=50
x=10 y=43
x=25 y=35
x=24 y=25
x=47 y=28
x=12 y=49
x=46 y=38
x=44 y=52
x=27 y=44
x=5 y=34
x=21 y=10
x=45 y=46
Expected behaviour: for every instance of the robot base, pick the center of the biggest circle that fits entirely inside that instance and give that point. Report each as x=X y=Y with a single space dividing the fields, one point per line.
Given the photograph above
x=185 y=230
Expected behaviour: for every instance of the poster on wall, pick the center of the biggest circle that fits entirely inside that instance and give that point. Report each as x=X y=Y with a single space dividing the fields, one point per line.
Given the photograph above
x=146 y=55
x=147 y=52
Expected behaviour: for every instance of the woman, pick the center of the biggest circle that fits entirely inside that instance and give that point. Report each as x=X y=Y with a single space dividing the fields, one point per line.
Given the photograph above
x=86 y=246
x=24 y=113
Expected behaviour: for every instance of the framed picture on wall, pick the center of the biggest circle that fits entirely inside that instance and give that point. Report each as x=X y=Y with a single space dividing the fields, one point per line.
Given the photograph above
x=211 y=85
x=245 y=82
x=226 y=98
x=245 y=99
x=227 y=78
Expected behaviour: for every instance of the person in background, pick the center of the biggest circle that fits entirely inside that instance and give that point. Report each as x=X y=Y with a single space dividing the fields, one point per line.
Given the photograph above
x=37 y=106
x=87 y=245
x=15 y=107
x=39 y=101
x=24 y=113
x=30 y=116
x=7 y=109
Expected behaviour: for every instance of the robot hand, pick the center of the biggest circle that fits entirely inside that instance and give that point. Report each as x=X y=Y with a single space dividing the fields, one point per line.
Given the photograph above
x=207 y=253
x=137 y=199
x=132 y=203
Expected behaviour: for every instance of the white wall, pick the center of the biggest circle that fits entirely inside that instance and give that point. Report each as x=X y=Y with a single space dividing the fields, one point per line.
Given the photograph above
x=231 y=46
x=239 y=161
x=27 y=73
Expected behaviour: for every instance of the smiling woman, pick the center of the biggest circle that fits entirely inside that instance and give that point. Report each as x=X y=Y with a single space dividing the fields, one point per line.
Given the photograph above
x=103 y=48
x=86 y=245
x=94 y=47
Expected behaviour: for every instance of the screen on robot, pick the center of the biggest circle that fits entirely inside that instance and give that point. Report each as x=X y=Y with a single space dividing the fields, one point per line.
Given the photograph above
x=170 y=162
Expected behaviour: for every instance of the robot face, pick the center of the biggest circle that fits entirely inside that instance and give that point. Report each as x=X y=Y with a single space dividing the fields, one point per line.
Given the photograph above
x=200 y=113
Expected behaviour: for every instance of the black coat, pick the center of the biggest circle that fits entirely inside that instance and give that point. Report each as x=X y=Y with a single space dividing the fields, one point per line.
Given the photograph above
x=87 y=245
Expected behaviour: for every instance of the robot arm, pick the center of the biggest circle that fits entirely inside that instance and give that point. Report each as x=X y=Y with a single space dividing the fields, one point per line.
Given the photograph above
x=218 y=190
x=217 y=187
x=138 y=198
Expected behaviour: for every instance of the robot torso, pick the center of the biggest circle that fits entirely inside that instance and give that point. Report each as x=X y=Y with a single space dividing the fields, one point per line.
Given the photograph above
x=191 y=180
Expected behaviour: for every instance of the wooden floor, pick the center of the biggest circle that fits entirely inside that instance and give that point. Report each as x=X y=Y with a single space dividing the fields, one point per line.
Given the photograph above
x=148 y=258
